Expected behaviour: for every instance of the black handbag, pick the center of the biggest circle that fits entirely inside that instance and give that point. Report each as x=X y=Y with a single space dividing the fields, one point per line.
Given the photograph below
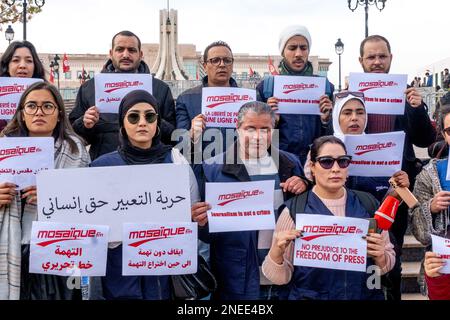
x=194 y=286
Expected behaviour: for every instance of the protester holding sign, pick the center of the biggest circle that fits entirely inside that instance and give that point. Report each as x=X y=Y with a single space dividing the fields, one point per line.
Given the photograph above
x=438 y=284
x=236 y=257
x=40 y=113
x=297 y=131
x=20 y=60
x=139 y=143
x=218 y=63
x=100 y=130
x=328 y=197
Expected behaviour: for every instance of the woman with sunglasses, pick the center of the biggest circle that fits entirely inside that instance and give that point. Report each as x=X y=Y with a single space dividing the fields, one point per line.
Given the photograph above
x=329 y=196
x=40 y=113
x=431 y=216
x=20 y=60
x=139 y=144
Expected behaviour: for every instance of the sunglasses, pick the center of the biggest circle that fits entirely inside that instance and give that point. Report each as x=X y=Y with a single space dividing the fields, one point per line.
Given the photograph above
x=447 y=131
x=345 y=94
x=328 y=162
x=134 y=117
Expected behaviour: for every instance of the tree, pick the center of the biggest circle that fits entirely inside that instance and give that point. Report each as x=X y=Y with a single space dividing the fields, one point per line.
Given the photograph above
x=14 y=13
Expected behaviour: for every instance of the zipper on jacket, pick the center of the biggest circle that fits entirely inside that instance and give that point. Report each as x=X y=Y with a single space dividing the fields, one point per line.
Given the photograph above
x=159 y=288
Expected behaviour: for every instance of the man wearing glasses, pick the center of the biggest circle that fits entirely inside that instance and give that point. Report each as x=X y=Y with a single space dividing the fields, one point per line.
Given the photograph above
x=297 y=132
x=218 y=64
x=101 y=130
x=376 y=57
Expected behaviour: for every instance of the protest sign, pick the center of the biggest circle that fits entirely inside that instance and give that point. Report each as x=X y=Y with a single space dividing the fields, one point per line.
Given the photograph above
x=68 y=249
x=240 y=206
x=299 y=95
x=331 y=242
x=383 y=93
x=11 y=90
x=159 y=249
x=115 y=195
x=441 y=246
x=110 y=88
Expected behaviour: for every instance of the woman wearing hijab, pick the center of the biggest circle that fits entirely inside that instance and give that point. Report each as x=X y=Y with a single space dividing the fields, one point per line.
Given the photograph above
x=40 y=113
x=139 y=144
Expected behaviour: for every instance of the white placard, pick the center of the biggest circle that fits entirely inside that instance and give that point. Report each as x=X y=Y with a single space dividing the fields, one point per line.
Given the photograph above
x=383 y=93
x=11 y=90
x=22 y=158
x=375 y=155
x=115 y=195
x=159 y=249
x=220 y=106
x=441 y=246
x=331 y=242
x=299 y=95
x=110 y=88
x=240 y=206
x=68 y=249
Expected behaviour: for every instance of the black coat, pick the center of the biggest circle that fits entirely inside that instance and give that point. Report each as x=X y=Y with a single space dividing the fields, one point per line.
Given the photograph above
x=104 y=136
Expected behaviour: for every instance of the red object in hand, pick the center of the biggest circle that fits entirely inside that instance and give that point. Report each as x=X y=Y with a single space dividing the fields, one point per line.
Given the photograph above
x=385 y=215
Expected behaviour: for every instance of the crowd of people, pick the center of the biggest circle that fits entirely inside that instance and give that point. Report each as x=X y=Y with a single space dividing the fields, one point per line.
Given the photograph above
x=310 y=166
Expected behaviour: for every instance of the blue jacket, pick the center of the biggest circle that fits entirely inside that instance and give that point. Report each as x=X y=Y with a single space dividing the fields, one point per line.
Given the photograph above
x=235 y=258
x=118 y=287
x=328 y=284
x=297 y=131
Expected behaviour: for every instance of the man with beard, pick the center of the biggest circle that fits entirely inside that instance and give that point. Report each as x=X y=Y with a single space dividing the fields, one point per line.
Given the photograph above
x=101 y=130
x=376 y=57
x=297 y=132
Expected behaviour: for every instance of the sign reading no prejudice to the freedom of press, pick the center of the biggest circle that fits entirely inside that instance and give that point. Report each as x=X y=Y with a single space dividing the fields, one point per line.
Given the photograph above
x=299 y=95
x=331 y=242
x=383 y=93
x=220 y=106
x=22 y=158
x=240 y=206
x=11 y=90
x=375 y=155
x=110 y=88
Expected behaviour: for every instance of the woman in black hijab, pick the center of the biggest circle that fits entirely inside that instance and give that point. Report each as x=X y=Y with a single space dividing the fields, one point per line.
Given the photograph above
x=139 y=143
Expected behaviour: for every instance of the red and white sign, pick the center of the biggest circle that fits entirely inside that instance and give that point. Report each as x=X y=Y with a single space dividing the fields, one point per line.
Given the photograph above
x=159 y=249
x=11 y=90
x=22 y=158
x=220 y=106
x=68 y=249
x=241 y=206
x=375 y=155
x=298 y=95
x=110 y=88
x=331 y=242
x=441 y=246
x=383 y=93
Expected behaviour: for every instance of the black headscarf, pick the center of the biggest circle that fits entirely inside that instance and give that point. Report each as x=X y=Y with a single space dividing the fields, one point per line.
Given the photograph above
x=134 y=155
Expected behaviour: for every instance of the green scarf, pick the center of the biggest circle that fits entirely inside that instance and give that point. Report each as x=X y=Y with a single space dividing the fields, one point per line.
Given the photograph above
x=286 y=70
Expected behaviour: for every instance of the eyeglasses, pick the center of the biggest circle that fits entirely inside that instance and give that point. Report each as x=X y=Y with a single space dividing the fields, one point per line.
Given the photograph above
x=328 y=162
x=134 y=117
x=447 y=131
x=32 y=108
x=227 y=61
x=345 y=94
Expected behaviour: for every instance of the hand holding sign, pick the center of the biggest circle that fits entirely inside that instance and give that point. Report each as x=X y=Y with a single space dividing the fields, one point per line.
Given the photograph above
x=30 y=194
x=325 y=106
x=282 y=239
x=413 y=97
x=433 y=264
x=198 y=125
x=376 y=244
x=440 y=201
x=199 y=213
x=7 y=193
x=91 y=117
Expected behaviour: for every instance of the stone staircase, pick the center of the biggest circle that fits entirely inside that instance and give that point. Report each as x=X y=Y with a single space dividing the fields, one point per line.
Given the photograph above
x=413 y=253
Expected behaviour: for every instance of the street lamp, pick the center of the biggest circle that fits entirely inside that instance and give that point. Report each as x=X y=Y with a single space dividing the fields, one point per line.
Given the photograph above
x=39 y=3
x=339 y=47
x=380 y=4
x=54 y=65
x=9 y=34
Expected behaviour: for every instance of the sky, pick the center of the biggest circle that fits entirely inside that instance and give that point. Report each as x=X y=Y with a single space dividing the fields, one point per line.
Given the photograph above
x=416 y=29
